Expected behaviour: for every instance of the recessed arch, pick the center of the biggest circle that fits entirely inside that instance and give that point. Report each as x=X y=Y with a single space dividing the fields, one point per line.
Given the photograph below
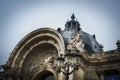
x=36 y=59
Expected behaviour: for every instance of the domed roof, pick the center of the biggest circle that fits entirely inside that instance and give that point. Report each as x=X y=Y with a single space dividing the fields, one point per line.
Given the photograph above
x=73 y=26
x=91 y=45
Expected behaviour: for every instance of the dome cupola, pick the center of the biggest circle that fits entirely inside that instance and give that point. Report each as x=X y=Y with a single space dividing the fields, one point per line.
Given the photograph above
x=71 y=28
x=73 y=24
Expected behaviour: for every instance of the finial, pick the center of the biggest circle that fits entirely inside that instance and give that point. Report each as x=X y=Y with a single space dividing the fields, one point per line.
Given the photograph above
x=73 y=16
x=101 y=48
x=118 y=45
x=94 y=36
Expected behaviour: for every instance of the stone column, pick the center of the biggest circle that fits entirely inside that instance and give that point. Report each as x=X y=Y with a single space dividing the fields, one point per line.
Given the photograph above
x=61 y=76
x=71 y=75
x=102 y=77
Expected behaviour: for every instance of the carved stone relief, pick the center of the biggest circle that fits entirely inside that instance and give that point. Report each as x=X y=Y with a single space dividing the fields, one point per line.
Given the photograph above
x=41 y=58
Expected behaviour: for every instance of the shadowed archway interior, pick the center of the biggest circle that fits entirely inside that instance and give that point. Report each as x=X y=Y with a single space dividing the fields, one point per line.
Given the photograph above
x=45 y=75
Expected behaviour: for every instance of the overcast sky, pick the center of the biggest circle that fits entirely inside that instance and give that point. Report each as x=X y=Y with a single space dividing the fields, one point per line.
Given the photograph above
x=20 y=17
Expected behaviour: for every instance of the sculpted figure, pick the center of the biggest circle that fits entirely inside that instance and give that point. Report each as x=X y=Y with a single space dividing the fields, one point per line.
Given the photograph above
x=49 y=60
x=76 y=41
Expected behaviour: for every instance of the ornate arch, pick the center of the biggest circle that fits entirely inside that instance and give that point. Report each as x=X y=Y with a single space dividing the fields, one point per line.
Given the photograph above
x=33 y=39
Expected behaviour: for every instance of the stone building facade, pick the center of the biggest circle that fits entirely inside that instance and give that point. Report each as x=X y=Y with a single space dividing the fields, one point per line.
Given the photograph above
x=35 y=56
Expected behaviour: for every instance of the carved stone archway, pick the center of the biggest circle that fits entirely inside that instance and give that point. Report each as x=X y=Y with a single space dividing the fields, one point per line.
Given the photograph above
x=44 y=41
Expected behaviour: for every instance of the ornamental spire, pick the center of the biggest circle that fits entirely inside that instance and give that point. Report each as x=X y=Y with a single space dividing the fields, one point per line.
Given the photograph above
x=73 y=24
x=73 y=17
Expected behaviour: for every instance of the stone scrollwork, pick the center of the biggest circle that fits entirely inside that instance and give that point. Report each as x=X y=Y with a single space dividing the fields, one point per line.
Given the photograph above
x=76 y=41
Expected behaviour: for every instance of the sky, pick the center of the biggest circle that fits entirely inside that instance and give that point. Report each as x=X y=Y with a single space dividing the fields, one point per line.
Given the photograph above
x=20 y=17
